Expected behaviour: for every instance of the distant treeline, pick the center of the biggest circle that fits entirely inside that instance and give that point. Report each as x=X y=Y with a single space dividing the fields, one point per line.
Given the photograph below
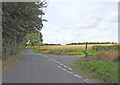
x=92 y=43
x=49 y=44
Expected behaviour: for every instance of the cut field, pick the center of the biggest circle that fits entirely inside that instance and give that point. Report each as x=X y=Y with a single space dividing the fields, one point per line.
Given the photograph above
x=74 y=47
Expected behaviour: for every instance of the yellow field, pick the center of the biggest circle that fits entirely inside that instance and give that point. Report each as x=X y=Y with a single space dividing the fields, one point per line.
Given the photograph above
x=63 y=47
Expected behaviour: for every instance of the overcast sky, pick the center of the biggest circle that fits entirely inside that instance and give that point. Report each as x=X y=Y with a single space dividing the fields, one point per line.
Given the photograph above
x=77 y=21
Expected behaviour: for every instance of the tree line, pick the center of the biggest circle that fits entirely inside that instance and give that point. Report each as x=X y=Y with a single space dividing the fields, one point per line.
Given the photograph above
x=21 y=21
x=92 y=43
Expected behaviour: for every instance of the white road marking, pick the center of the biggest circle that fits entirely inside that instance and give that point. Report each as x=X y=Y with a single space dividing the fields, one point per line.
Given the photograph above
x=78 y=76
x=64 y=69
x=59 y=66
x=52 y=59
x=57 y=62
x=45 y=56
x=70 y=68
x=65 y=66
x=49 y=60
x=70 y=72
x=88 y=81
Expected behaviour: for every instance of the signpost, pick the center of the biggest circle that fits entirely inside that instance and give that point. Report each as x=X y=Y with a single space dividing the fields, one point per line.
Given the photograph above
x=85 y=52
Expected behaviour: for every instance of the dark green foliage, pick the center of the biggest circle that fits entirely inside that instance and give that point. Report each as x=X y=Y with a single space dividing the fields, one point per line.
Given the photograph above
x=35 y=38
x=105 y=48
x=92 y=43
x=49 y=44
x=19 y=19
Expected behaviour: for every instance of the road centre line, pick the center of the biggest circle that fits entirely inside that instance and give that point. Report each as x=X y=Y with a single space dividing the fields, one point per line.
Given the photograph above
x=50 y=60
x=70 y=68
x=88 y=81
x=65 y=66
x=64 y=69
x=78 y=76
x=70 y=72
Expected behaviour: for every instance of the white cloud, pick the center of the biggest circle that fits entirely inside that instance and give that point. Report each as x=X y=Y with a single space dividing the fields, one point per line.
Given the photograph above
x=91 y=17
x=114 y=0
x=65 y=25
x=113 y=17
x=63 y=15
x=84 y=0
x=102 y=27
x=88 y=24
x=56 y=29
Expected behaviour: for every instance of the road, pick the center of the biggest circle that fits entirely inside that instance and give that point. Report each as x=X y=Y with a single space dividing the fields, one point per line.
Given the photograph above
x=40 y=68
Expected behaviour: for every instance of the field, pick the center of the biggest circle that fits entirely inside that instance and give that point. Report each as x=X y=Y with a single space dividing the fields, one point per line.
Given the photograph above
x=69 y=49
x=74 y=47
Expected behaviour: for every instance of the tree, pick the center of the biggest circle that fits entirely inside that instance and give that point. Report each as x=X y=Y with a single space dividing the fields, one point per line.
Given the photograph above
x=35 y=38
x=19 y=20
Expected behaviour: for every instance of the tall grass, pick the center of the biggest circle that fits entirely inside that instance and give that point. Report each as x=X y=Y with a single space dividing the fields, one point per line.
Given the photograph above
x=106 y=71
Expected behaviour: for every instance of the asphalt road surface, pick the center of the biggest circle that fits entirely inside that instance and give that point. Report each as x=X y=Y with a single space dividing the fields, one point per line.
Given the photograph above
x=40 y=68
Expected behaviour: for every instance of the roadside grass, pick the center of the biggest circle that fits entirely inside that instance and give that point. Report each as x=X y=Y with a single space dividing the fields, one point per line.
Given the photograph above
x=0 y=67
x=105 y=71
x=28 y=46
x=10 y=61
x=41 y=51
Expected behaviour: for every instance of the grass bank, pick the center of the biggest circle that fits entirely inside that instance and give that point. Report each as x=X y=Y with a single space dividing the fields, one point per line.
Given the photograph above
x=105 y=71
x=10 y=61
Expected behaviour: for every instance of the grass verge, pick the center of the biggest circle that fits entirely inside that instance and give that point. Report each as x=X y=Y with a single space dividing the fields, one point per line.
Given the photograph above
x=105 y=71
x=41 y=51
x=9 y=62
